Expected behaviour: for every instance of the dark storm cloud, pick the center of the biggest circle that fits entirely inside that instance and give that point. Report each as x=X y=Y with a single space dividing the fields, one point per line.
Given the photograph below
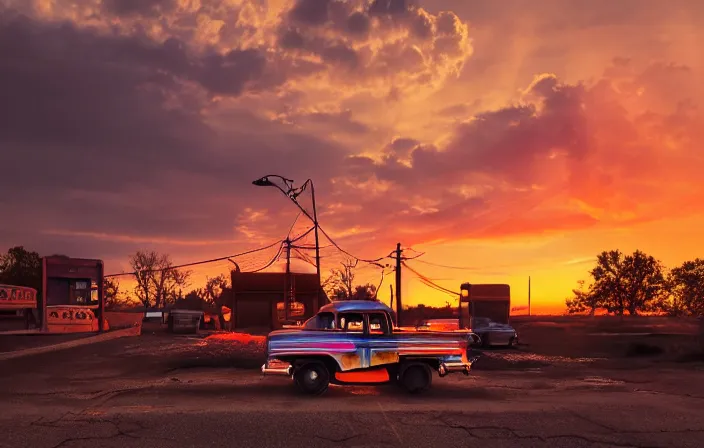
x=340 y=54
x=102 y=134
x=148 y=8
x=390 y=7
x=67 y=88
x=105 y=98
x=358 y=24
x=229 y=73
x=310 y=12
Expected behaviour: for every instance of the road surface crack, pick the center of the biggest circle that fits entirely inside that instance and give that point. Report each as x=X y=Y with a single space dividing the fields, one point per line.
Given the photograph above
x=76 y=418
x=514 y=434
x=656 y=392
x=337 y=440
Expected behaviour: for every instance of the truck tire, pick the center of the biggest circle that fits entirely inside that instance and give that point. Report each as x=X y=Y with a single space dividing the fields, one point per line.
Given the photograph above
x=415 y=377
x=312 y=378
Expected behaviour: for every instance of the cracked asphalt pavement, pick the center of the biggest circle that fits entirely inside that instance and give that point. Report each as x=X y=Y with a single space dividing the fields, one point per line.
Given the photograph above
x=114 y=394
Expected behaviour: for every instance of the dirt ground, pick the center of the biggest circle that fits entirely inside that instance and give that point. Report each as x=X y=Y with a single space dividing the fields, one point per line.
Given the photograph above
x=161 y=390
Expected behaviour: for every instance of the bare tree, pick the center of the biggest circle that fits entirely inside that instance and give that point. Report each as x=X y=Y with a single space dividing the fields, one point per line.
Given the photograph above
x=340 y=284
x=158 y=282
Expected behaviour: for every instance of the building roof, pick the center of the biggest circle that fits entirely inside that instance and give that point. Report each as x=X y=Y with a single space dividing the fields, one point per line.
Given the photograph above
x=355 y=305
x=483 y=292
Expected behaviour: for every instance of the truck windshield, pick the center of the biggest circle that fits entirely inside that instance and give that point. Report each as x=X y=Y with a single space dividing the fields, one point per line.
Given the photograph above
x=321 y=321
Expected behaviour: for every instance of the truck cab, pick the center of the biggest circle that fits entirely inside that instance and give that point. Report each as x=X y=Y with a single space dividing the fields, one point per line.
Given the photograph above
x=355 y=342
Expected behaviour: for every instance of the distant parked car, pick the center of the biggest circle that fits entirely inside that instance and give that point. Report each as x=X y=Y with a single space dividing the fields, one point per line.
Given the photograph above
x=491 y=333
x=494 y=333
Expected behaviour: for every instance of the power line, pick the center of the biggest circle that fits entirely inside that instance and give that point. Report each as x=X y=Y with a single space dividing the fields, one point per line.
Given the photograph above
x=429 y=282
x=347 y=253
x=420 y=254
x=288 y=235
x=273 y=260
x=309 y=247
x=196 y=263
x=433 y=286
x=461 y=268
x=303 y=257
x=303 y=235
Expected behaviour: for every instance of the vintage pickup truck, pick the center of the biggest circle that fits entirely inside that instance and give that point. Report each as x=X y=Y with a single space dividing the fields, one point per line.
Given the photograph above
x=355 y=342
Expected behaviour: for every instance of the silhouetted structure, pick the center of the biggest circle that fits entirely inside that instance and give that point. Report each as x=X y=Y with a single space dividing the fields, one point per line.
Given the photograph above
x=19 y=301
x=491 y=301
x=72 y=282
x=255 y=297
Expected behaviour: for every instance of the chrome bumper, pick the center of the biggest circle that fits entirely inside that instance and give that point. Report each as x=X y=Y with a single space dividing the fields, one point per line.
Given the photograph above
x=285 y=371
x=456 y=367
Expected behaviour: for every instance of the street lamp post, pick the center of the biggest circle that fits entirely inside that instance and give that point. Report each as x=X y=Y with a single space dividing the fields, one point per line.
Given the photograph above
x=293 y=193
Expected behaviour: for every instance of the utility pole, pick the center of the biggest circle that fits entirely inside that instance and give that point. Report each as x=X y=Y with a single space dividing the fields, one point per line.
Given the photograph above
x=287 y=281
x=399 y=306
x=529 y=295
x=391 y=292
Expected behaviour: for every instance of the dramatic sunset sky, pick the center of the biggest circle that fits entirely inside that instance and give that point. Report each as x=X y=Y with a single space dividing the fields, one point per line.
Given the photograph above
x=513 y=137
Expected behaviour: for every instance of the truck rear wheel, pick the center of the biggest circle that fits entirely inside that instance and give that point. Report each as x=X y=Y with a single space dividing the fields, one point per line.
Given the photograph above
x=312 y=378
x=415 y=377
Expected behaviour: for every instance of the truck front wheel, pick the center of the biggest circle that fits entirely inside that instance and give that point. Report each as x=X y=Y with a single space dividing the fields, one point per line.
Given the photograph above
x=415 y=377
x=312 y=378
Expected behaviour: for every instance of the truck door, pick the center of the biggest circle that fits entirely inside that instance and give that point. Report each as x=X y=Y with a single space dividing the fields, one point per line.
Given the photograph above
x=381 y=348
x=353 y=326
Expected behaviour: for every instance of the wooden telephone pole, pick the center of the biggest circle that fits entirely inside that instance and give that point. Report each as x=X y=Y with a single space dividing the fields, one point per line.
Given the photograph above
x=399 y=305
x=287 y=281
x=529 y=295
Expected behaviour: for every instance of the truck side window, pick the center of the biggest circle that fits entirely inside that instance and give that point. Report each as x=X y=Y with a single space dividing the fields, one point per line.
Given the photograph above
x=351 y=322
x=321 y=321
x=378 y=323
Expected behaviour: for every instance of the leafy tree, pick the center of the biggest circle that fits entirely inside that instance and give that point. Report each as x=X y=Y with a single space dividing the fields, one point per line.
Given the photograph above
x=624 y=283
x=211 y=292
x=364 y=292
x=686 y=284
x=582 y=301
x=214 y=288
x=21 y=267
x=114 y=297
x=158 y=282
